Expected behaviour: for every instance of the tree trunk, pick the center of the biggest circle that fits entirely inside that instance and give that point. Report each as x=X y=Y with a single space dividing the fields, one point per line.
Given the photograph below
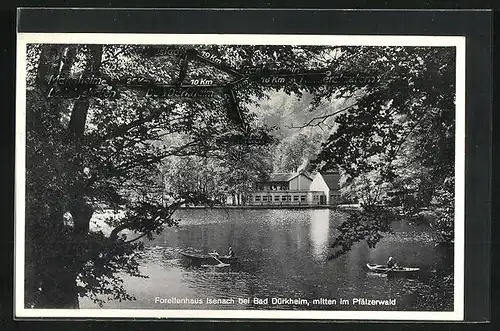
x=80 y=210
x=59 y=289
x=52 y=249
x=42 y=223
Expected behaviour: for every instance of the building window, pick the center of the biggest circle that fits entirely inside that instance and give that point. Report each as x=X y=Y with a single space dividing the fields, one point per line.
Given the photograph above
x=276 y=198
x=257 y=198
x=302 y=198
x=295 y=198
x=284 y=198
x=264 y=198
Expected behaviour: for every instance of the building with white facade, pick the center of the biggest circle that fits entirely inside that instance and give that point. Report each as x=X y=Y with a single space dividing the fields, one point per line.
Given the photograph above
x=297 y=189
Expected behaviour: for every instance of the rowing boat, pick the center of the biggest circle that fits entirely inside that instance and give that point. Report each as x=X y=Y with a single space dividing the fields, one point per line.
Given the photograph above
x=380 y=268
x=196 y=258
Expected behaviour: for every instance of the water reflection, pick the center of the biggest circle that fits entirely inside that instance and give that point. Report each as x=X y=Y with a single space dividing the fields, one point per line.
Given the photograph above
x=283 y=253
x=319 y=233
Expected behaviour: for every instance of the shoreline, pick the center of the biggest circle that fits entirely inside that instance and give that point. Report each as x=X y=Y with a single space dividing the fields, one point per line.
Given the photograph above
x=334 y=207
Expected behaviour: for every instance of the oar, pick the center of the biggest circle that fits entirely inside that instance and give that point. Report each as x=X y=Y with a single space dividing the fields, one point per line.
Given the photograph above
x=390 y=269
x=220 y=262
x=216 y=259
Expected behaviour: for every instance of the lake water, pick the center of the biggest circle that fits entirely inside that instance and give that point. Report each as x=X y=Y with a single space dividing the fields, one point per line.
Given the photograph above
x=284 y=254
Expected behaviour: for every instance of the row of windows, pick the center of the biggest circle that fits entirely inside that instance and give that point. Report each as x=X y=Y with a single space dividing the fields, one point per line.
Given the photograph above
x=278 y=198
x=334 y=197
x=281 y=198
x=273 y=188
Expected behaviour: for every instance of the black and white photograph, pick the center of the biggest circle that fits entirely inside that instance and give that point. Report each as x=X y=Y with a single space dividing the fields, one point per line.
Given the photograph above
x=240 y=176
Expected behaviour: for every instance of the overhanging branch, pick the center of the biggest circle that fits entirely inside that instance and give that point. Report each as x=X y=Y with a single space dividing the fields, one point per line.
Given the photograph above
x=323 y=118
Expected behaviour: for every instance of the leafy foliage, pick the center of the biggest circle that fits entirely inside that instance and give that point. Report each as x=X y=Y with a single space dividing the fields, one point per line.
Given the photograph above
x=393 y=132
x=89 y=153
x=367 y=225
x=395 y=144
x=294 y=152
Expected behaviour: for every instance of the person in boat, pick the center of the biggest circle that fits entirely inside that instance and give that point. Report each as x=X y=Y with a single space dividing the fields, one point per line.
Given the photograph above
x=214 y=253
x=230 y=252
x=391 y=263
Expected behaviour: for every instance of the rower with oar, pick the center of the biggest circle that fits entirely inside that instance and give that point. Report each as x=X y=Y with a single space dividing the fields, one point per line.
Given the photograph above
x=215 y=255
x=391 y=263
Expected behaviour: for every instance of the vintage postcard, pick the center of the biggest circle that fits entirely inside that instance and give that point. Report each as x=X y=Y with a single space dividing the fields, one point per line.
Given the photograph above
x=297 y=177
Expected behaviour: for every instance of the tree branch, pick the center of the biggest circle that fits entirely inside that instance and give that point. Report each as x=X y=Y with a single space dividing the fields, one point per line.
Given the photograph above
x=323 y=118
x=114 y=233
x=144 y=161
x=408 y=134
x=135 y=239
x=112 y=57
x=122 y=130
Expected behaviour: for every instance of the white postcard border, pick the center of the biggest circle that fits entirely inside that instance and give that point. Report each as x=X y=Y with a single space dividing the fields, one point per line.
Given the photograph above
x=341 y=40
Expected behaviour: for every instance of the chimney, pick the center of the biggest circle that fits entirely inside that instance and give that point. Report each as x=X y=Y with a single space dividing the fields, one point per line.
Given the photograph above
x=303 y=166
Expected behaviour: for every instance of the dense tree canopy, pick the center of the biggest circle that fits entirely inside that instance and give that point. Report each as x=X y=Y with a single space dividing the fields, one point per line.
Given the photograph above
x=115 y=141
x=395 y=144
x=96 y=136
x=293 y=153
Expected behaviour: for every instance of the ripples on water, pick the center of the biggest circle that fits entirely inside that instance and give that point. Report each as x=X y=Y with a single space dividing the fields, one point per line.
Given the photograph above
x=284 y=253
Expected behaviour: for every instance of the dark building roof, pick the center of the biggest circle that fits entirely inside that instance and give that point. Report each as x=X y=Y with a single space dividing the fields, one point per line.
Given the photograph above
x=286 y=176
x=332 y=179
x=300 y=173
x=280 y=177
